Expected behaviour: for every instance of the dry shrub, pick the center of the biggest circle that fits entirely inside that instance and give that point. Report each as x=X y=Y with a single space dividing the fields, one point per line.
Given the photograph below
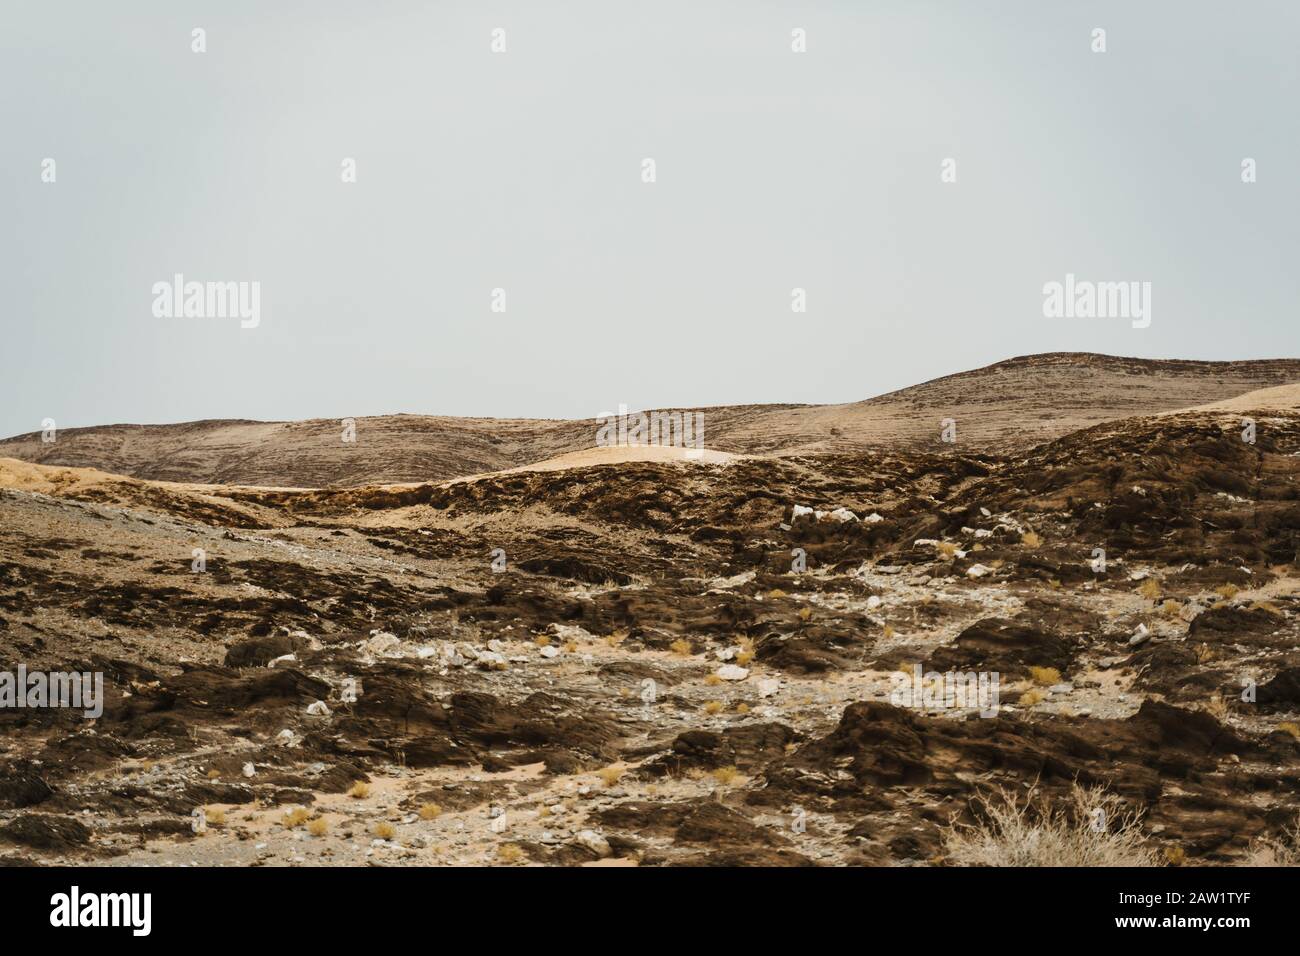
x=385 y=830
x=360 y=790
x=1149 y=589
x=296 y=817
x=1030 y=539
x=1037 y=833
x=681 y=647
x=318 y=827
x=713 y=707
x=610 y=776
x=725 y=776
x=509 y=853
x=1045 y=675
x=430 y=811
x=1280 y=851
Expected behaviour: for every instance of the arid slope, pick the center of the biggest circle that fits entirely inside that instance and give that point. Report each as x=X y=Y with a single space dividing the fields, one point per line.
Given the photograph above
x=1007 y=406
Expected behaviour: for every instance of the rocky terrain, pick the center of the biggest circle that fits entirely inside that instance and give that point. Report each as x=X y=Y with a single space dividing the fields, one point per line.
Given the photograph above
x=666 y=662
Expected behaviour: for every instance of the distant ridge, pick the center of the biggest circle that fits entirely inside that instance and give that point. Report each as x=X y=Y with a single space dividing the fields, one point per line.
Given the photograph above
x=1013 y=404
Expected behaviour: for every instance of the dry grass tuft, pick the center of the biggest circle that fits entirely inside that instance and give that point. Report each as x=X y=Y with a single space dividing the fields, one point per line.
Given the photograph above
x=713 y=680
x=509 y=853
x=616 y=638
x=726 y=776
x=1227 y=591
x=775 y=593
x=746 y=652
x=215 y=817
x=1149 y=589
x=1045 y=675
x=1030 y=539
x=385 y=830
x=1091 y=827
x=296 y=817
x=360 y=790
x=1280 y=851
x=318 y=827
x=542 y=640
x=609 y=776
x=947 y=550
x=713 y=707
x=1290 y=727
x=681 y=647
x=1031 y=697
x=429 y=811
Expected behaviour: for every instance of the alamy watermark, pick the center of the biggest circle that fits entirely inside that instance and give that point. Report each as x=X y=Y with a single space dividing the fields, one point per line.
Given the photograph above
x=946 y=691
x=179 y=299
x=49 y=689
x=1084 y=299
x=667 y=429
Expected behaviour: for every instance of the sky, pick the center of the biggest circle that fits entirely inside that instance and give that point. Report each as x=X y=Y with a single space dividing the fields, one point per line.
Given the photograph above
x=523 y=171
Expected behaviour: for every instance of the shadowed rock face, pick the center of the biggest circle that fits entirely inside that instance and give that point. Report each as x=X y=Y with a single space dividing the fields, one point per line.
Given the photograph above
x=1006 y=406
x=362 y=633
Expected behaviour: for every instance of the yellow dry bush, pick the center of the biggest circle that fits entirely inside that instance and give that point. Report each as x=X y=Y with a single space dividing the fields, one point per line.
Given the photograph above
x=509 y=853
x=1290 y=727
x=1030 y=539
x=215 y=816
x=946 y=549
x=746 y=652
x=430 y=811
x=616 y=638
x=1227 y=591
x=713 y=680
x=610 y=776
x=742 y=708
x=681 y=647
x=713 y=707
x=385 y=830
x=725 y=776
x=1171 y=609
x=1175 y=855
x=775 y=593
x=1045 y=675
x=318 y=827
x=805 y=613
x=1031 y=697
x=360 y=790
x=1149 y=589
x=542 y=640
x=296 y=817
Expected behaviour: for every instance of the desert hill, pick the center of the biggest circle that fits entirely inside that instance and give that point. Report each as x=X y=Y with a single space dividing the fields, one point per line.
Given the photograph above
x=1002 y=407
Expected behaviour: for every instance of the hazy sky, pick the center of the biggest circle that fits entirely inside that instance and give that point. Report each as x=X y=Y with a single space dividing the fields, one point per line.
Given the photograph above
x=523 y=171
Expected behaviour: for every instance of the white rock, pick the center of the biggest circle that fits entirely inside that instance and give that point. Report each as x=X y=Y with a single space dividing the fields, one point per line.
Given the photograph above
x=726 y=653
x=549 y=651
x=381 y=643
x=873 y=602
x=843 y=514
x=283 y=659
x=1142 y=635
x=491 y=661
x=801 y=511
x=593 y=841
x=249 y=770
x=318 y=709
x=872 y=518
x=976 y=571
x=732 y=672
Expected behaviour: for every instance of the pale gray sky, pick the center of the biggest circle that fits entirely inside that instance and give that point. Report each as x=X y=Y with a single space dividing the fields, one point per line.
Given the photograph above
x=523 y=171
